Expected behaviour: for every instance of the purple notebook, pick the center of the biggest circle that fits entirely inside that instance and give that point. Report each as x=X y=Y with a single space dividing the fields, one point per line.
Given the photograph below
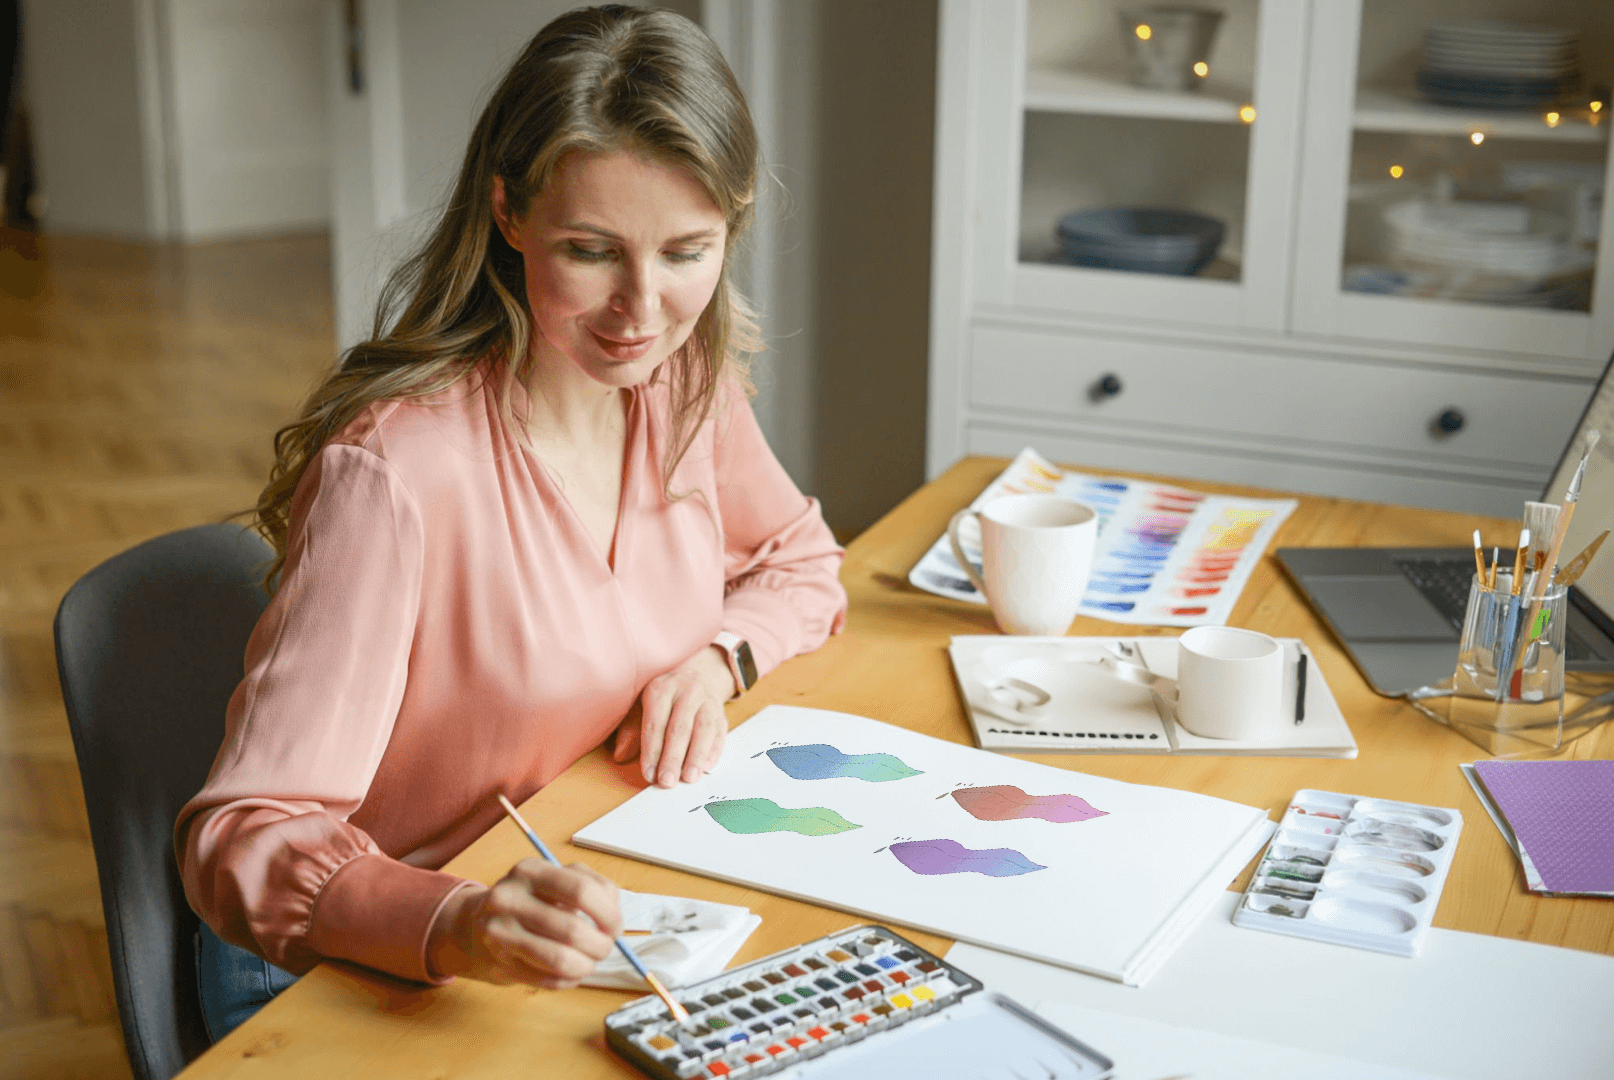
x=1562 y=813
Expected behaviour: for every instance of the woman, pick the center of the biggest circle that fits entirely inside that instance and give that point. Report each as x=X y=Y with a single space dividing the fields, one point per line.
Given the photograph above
x=533 y=513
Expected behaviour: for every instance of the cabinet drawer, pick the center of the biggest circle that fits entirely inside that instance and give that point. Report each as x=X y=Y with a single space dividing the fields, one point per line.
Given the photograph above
x=1520 y=420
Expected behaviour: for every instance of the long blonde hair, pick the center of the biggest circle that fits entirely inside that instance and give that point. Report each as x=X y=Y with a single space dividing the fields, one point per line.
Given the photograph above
x=605 y=78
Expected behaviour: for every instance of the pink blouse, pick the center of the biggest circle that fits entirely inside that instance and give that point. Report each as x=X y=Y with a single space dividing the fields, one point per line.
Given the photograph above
x=446 y=628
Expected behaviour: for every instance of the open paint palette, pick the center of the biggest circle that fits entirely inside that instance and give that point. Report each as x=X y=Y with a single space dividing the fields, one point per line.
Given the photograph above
x=1353 y=871
x=861 y=1002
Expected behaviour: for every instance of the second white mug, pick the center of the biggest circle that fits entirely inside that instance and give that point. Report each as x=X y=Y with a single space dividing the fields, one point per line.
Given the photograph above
x=1036 y=554
x=1229 y=682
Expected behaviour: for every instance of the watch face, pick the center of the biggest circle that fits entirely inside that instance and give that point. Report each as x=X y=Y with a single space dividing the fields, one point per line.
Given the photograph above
x=746 y=663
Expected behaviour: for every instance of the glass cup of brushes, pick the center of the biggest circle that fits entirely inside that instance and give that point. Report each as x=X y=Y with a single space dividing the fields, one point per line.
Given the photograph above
x=1508 y=689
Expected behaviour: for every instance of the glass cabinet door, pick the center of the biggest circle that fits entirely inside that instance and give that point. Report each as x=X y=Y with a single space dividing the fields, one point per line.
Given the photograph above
x=1139 y=159
x=1456 y=164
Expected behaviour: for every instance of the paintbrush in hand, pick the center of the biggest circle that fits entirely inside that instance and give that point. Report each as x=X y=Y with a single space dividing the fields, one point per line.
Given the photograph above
x=679 y=1013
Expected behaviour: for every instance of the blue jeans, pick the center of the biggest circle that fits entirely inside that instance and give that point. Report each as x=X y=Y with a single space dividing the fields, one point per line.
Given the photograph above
x=233 y=983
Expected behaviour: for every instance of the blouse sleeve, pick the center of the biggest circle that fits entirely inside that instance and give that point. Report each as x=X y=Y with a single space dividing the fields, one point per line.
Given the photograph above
x=265 y=849
x=782 y=565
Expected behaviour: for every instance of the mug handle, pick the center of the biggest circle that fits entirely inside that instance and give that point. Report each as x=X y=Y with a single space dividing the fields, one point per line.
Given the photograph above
x=958 y=551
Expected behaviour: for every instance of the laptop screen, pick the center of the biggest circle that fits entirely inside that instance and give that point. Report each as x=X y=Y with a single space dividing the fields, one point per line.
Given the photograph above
x=1595 y=512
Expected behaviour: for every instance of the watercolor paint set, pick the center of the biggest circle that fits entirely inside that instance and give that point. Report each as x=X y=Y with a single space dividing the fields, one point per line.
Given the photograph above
x=1353 y=871
x=860 y=1002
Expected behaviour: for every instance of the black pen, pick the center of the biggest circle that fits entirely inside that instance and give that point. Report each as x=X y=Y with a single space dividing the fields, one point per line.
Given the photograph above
x=1300 y=688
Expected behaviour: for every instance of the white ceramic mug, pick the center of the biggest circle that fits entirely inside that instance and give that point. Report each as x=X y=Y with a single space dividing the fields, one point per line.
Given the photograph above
x=1036 y=554
x=1229 y=682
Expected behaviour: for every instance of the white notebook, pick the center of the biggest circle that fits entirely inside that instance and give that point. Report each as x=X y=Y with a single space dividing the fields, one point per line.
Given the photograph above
x=1093 y=712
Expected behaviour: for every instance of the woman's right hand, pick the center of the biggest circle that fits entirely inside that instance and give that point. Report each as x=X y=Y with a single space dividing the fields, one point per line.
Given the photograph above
x=541 y=925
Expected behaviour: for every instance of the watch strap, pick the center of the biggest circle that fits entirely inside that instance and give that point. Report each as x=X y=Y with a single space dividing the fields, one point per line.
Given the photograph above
x=742 y=665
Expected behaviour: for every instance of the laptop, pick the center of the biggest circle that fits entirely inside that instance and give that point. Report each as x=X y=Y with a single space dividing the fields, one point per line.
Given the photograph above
x=1399 y=611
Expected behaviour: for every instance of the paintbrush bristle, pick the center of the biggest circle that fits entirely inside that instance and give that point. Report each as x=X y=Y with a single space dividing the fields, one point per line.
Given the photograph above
x=1541 y=519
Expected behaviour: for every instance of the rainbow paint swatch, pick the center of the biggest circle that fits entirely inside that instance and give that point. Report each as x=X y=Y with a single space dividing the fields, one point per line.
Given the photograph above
x=931 y=857
x=1165 y=555
x=821 y=761
x=1005 y=802
x=749 y=816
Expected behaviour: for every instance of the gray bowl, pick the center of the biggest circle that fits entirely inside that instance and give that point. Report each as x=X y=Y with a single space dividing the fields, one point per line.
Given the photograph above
x=1142 y=239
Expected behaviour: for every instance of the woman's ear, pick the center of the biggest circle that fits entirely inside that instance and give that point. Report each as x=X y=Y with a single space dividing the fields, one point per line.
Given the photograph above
x=508 y=227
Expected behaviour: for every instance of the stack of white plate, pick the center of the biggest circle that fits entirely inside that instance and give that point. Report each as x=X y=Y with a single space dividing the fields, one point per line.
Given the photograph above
x=1517 y=247
x=1479 y=64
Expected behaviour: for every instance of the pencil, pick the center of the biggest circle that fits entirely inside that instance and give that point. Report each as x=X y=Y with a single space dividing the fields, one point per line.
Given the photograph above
x=679 y=1013
x=1300 y=688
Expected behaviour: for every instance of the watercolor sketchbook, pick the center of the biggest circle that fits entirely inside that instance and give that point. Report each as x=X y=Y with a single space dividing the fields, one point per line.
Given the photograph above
x=1086 y=872
x=1091 y=712
x=1166 y=556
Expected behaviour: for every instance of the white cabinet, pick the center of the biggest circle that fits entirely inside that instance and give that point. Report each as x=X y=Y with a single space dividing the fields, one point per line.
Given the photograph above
x=1274 y=364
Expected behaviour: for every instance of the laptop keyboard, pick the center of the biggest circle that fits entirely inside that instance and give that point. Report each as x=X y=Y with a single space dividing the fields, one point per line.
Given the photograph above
x=1445 y=583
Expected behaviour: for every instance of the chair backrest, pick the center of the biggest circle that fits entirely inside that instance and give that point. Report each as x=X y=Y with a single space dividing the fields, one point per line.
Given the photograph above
x=149 y=646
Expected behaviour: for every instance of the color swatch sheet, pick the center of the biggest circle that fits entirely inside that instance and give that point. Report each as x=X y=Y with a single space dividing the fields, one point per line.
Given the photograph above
x=1082 y=871
x=1165 y=556
x=1561 y=814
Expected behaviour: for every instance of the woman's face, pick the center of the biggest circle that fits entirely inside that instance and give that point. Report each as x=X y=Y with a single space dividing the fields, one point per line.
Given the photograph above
x=622 y=255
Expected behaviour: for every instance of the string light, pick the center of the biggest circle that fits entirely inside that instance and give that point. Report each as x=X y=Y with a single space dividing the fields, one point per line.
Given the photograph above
x=1144 y=31
x=1247 y=114
x=1552 y=119
x=1397 y=172
x=1202 y=69
x=1596 y=106
x=1476 y=137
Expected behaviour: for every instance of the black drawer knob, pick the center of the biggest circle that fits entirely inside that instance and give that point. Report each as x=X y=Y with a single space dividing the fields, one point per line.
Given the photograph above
x=1108 y=385
x=1451 y=421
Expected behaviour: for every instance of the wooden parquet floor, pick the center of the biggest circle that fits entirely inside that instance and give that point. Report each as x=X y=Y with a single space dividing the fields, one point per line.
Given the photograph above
x=139 y=389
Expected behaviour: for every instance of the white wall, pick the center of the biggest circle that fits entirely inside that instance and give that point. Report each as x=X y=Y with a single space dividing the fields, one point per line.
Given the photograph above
x=99 y=164
x=179 y=119
x=250 y=149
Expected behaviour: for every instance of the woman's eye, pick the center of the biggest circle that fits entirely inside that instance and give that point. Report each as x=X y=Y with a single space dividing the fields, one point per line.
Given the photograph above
x=686 y=256
x=589 y=255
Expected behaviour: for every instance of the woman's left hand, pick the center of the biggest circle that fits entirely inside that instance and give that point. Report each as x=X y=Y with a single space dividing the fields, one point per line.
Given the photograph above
x=679 y=727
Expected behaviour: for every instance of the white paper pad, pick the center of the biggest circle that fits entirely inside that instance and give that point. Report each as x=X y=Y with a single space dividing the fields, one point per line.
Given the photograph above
x=1107 y=885
x=1471 y=1007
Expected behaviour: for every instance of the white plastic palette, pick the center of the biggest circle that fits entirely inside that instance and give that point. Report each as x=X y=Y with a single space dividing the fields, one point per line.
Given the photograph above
x=1353 y=871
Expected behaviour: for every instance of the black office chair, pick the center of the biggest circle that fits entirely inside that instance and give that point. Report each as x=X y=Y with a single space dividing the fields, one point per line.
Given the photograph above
x=149 y=646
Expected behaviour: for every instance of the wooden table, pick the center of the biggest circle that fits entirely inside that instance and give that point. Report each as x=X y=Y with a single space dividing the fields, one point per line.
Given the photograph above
x=891 y=664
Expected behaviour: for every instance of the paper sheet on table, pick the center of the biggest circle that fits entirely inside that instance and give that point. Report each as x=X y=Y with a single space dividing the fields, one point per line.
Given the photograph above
x=1470 y=1007
x=687 y=940
x=1166 y=556
x=1147 y=1049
